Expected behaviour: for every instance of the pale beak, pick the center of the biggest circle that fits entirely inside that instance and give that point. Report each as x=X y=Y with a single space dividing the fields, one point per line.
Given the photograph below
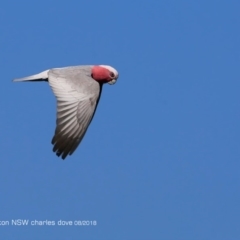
x=113 y=81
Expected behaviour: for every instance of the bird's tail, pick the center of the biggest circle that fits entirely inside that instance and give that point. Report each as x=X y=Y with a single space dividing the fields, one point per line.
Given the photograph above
x=43 y=76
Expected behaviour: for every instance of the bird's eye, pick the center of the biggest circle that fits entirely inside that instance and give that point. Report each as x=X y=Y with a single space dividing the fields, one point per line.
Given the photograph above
x=112 y=75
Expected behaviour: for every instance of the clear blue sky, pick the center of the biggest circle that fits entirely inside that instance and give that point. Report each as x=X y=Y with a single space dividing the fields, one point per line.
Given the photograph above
x=161 y=159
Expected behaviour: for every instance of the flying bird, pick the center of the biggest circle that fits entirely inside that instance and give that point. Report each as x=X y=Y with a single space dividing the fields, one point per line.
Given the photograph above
x=78 y=90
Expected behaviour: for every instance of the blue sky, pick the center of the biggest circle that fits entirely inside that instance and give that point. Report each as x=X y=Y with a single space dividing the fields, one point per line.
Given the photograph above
x=161 y=157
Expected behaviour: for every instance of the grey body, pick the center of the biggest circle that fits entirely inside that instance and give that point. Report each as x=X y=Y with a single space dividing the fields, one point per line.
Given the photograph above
x=77 y=96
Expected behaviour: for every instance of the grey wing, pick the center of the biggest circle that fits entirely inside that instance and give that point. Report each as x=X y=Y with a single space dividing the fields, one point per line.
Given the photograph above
x=75 y=110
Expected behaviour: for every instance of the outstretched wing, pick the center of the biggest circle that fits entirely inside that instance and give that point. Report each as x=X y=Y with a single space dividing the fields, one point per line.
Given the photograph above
x=77 y=98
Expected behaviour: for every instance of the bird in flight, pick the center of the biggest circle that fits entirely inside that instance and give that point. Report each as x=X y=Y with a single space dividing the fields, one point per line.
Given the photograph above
x=78 y=90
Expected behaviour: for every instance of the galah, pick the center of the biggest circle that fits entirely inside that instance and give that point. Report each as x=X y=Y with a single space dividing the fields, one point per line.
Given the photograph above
x=78 y=90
